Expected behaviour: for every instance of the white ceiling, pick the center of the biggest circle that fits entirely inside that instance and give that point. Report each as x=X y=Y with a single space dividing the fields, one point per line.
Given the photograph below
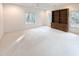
x=41 y=5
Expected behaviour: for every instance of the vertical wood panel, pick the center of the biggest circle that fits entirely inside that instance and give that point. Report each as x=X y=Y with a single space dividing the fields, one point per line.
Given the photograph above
x=60 y=19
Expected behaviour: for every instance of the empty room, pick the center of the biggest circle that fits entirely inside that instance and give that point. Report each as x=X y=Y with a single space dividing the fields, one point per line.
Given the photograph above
x=39 y=29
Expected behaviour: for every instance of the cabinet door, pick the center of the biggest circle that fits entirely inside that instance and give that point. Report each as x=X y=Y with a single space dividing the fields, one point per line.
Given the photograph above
x=64 y=16
x=56 y=16
x=60 y=18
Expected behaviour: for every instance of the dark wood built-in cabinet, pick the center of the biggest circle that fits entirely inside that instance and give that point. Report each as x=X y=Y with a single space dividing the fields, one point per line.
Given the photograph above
x=60 y=19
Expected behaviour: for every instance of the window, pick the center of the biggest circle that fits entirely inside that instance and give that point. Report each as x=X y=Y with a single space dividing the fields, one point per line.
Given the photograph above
x=30 y=18
x=74 y=18
x=49 y=17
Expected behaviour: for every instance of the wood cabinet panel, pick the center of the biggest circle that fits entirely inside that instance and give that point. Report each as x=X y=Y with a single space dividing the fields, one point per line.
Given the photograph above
x=64 y=16
x=56 y=16
x=60 y=19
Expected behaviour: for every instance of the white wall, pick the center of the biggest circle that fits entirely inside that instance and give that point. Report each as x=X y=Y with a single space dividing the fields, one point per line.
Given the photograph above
x=40 y=16
x=73 y=27
x=1 y=21
x=41 y=19
x=13 y=18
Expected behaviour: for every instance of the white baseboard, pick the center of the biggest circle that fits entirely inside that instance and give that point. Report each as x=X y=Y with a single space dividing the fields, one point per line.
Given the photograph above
x=74 y=30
